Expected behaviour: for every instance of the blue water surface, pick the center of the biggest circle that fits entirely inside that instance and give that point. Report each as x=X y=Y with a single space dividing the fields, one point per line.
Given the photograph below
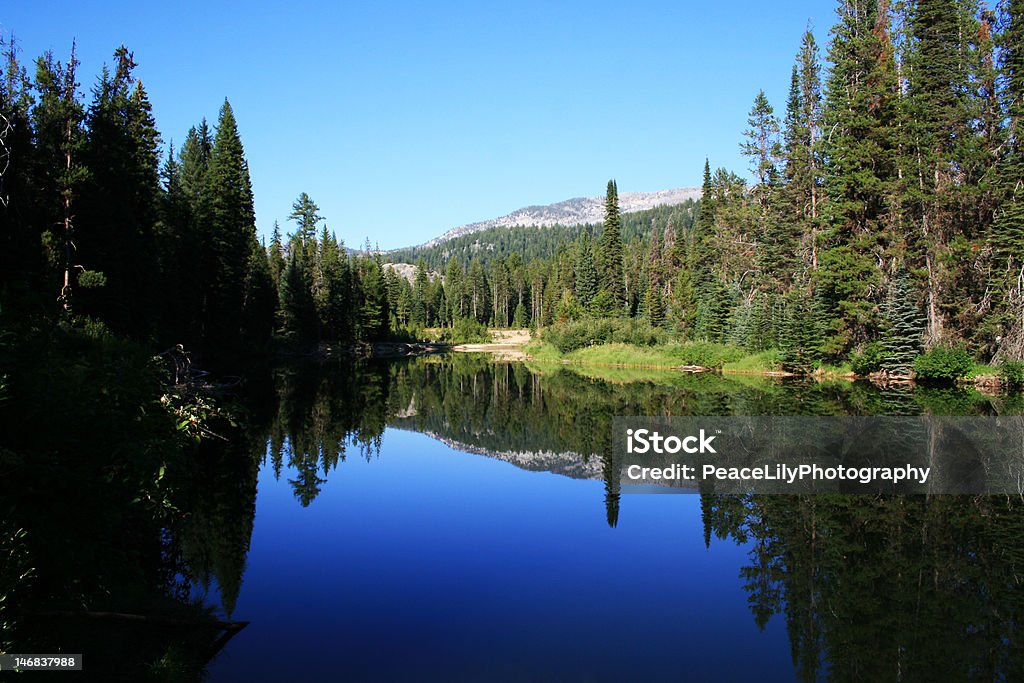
x=426 y=563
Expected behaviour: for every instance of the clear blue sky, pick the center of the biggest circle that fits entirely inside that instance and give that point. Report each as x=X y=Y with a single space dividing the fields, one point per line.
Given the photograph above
x=403 y=120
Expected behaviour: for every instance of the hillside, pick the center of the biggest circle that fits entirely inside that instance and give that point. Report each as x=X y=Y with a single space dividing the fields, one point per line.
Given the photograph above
x=542 y=241
x=576 y=211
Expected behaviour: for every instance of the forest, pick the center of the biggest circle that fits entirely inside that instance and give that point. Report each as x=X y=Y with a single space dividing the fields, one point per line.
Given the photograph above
x=884 y=219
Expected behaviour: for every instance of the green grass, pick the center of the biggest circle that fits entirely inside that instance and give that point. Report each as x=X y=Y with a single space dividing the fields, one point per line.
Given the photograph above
x=980 y=370
x=672 y=355
x=766 y=361
x=729 y=359
x=827 y=371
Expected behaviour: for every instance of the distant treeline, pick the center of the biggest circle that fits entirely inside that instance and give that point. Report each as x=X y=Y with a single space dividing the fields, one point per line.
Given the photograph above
x=536 y=242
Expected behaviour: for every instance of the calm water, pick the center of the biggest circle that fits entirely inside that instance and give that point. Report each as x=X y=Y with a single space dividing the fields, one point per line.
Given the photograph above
x=455 y=519
x=449 y=519
x=430 y=563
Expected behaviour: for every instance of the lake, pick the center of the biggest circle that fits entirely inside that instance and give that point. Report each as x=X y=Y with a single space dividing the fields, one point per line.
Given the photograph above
x=457 y=525
x=458 y=519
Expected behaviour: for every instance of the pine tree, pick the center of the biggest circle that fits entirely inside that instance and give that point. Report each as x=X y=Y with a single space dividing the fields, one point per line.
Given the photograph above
x=938 y=131
x=612 y=280
x=306 y=215
x=762 y=145
x=1008 y=229
x=228 y=202
x=454 y=285
x=586 y=273
x=795 y=218
x=275 y=255
x=800 y=335
x=298 y=310
x=119 y=207
x=259 y=302
x=861 y=176
x=187 y=227
x=520 y=319
x=373 y=313
x=57 y=169
x=419 y=314
x=902 y=329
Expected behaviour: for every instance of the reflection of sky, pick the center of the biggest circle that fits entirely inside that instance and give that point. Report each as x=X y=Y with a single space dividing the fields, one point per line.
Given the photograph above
x=428 y=563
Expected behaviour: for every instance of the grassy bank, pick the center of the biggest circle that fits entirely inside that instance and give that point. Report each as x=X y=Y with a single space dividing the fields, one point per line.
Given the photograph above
x=674 y=355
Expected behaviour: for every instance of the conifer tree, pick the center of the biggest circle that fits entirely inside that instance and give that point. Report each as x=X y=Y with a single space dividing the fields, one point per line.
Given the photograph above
x=586 y=273
x=275 y=255
x=1008 y=229
x=761 y=144
x=119 y=205
x=861 y=178
x=57 y=170
x=902 y=329
x=612 y=280
x=228 y=202
x=454 y=285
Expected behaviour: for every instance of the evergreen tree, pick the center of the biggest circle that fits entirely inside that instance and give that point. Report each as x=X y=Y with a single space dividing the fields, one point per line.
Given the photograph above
x=259 y=302
x=1008 y=229
x=586 y=273
x=373 y=315
x=23 y=267
x=520 y=319
x=119 y=206
x=275 y=255
x=57 y=171
x=861 y=176
x=298 y=310
x=901 y=337
x=800 y=334
x=306 y=215
x=612 y=280
x=455 y=291
x=762 y=145
x=228 y=202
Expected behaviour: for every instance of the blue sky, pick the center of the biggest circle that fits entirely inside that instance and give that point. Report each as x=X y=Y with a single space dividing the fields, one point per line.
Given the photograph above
x=403 y=120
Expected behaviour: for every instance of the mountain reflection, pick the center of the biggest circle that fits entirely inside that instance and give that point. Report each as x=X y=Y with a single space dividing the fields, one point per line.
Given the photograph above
x=871 y=588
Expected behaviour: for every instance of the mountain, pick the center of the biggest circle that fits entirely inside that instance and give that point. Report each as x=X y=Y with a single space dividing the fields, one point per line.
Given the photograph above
x=576 y=211
x=541 y=231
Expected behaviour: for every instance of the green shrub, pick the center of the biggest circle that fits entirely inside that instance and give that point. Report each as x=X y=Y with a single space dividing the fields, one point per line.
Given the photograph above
x=1011 y=372
x=943 y=364
x=569 y=336
x=408 y=333
x=466 y=331
x=867 y=360
x=707 y=354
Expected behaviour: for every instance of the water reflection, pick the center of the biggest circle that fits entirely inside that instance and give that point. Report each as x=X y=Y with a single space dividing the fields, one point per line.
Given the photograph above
x=869 y=588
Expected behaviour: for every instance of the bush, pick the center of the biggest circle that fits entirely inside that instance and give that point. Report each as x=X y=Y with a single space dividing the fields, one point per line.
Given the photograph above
x=466 y=331
x=707 y=354
x=407 y=333
x=569 y=336
x=943 y=364
x=867 y=360
x=1011 y=372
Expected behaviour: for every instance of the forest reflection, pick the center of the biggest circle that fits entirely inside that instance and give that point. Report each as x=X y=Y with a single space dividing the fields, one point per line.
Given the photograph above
x=870 y=587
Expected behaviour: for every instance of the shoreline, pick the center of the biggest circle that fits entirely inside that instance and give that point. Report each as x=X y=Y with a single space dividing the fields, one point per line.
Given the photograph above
x=516 y=350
